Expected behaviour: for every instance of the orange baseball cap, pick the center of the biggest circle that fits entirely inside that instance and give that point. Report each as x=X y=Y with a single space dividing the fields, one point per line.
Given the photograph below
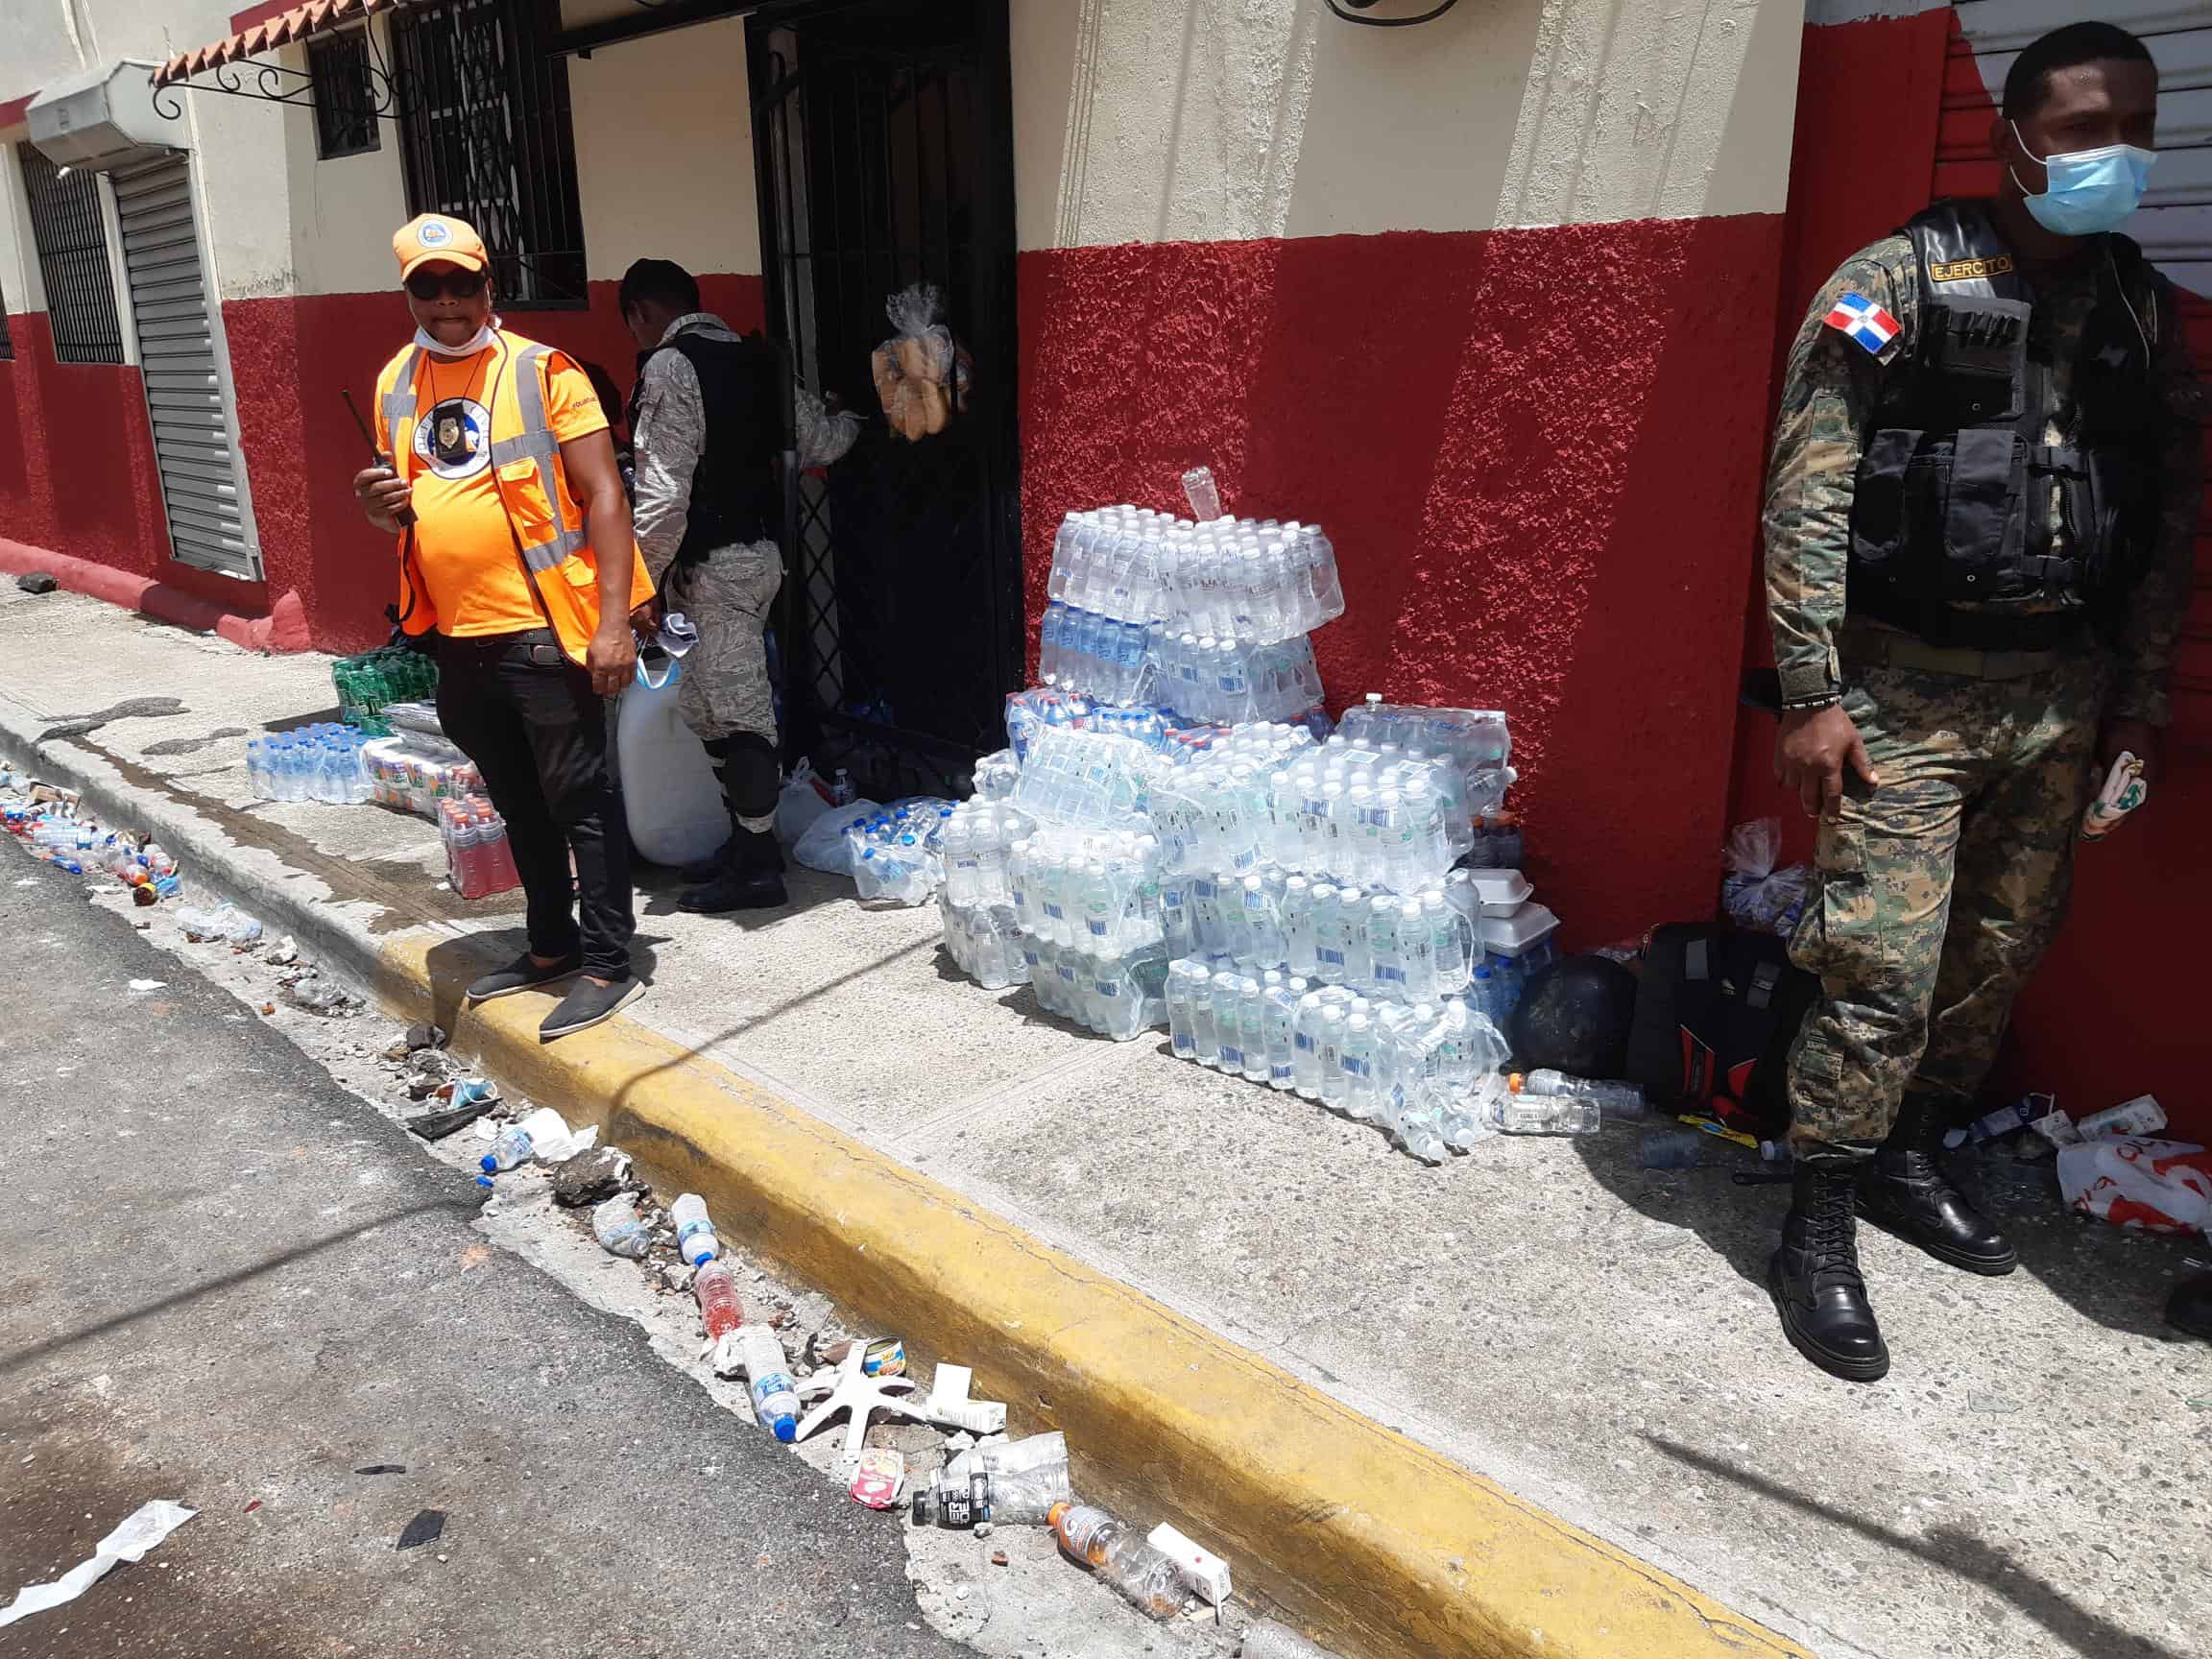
x=429 y=236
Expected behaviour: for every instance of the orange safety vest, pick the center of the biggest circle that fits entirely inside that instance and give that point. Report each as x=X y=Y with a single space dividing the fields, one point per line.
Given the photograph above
x=533 y=483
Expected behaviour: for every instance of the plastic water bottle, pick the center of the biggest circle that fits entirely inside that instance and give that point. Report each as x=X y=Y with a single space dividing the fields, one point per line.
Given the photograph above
x=510 y=1150
x=695 y=1239
x=1672 y=1149
x=1252 y=1028
x=774 y=1401
x=1389 y=964
x=1229 y=1021
x=619 y=1230
x=717 y=1293
x=1281 y=1025
x=1617 y=1099
x=1147 y=1578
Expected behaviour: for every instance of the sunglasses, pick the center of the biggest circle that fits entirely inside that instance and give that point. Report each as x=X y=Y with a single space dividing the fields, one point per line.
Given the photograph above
x=459 y=284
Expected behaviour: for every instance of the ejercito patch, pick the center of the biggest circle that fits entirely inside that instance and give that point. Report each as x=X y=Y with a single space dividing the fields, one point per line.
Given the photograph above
x=1968 y=270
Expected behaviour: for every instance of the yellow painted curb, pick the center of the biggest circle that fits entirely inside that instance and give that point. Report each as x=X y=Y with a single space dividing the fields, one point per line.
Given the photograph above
x=1379 y=1547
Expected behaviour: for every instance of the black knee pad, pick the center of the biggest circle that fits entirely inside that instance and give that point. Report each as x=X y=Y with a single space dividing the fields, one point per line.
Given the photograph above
x=746 y=767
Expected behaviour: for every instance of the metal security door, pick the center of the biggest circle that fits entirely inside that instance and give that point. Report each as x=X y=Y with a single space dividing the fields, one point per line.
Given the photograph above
x=181 y=357
x=881 y=142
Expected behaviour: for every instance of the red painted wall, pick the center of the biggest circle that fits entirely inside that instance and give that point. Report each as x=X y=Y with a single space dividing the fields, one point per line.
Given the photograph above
x=77 y=456
x=1541 y=485
x=1893 y=111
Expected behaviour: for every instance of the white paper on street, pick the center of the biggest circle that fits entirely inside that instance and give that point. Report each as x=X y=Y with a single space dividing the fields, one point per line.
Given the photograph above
x=140 y=1531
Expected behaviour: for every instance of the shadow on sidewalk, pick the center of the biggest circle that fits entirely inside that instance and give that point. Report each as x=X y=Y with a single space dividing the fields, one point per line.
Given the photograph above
x=1954 y=1551
x=2111 y=1278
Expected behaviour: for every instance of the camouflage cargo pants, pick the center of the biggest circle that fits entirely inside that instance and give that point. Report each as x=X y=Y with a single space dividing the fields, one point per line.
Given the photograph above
x=724 y=688
x=1936 y=894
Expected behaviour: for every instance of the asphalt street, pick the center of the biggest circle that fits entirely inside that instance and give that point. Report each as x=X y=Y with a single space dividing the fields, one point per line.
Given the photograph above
x=226 y=1282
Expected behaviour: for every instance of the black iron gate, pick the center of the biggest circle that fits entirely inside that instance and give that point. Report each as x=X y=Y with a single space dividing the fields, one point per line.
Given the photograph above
x=885 y=159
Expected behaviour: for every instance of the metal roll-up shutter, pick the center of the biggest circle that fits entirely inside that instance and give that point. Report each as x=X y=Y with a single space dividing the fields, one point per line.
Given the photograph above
x=187 y=382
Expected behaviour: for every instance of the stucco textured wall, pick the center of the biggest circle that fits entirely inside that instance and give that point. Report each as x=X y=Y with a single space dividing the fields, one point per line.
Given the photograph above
x=1540 y=483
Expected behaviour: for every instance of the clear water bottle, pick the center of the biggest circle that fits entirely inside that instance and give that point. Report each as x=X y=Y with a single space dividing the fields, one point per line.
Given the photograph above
x=695 y=1239
x=619 y=1230
x=1520 y=1114
x=510 y=1151
x=717 y=1291
x=768 y=1381
x=1229 y=1021
x=1252 y=1028
x=1618 y=1099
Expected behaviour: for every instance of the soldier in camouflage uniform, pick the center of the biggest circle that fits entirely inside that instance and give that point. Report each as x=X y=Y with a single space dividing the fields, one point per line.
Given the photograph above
x=707 y=427
x=1985 y=491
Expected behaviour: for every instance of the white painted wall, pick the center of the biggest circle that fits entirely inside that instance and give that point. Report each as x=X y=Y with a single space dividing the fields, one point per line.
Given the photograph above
x=665 y=152
x=1173 y=120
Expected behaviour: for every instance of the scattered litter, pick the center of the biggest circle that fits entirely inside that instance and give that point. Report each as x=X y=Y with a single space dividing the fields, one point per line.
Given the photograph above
x=381 y=1469
x=1148 y=1580
x=140 y=1531
x=879 y=1477
x=677 y=1276
x=318 y=994
x=149 y=984
x=998 y=1557
x=38 y=581
x=1264 y=1639
x=885 y=1356
x=251 y=1507
x=848 y=1390
x=1028 y=1477
x=2004 y=1121
x=954 y=1502
x=2141 y=1115
x=590 y=1177
x=432 y=1072
x=1203 y=1571
x=437 y=1125
x=226 y=923
x=618 y=1230
x=2154 y=1186
x=283 y=953
x=425 y=1528
x=267 y=1007
x=545 y=1135
x=423 y=1034
x=695 y=1238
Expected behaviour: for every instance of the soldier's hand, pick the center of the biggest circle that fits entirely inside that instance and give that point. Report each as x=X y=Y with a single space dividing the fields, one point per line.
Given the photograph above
x=2137 y=738
x=1811 y=753
x=381 y=493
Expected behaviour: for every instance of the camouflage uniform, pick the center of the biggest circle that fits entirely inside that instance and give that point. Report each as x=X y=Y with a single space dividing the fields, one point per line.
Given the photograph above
x=1938 y=892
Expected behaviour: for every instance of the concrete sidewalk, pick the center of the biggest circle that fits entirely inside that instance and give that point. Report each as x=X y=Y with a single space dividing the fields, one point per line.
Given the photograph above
x=1593 y=1337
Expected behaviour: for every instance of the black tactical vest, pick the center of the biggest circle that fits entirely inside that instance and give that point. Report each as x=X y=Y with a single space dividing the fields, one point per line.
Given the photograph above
x=1953 y=498
x=734 y=496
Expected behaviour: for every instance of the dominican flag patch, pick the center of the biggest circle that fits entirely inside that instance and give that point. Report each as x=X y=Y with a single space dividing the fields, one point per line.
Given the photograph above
x=1858 y=318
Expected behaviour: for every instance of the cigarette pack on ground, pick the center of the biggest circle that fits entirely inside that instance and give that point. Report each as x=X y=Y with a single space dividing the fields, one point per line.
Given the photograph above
x=1206 y=1573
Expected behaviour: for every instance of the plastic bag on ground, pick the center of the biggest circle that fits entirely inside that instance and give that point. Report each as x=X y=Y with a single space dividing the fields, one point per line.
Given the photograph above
x=805 y=796
x=2154 y=1185
x=822 y=845
x=1755 y=893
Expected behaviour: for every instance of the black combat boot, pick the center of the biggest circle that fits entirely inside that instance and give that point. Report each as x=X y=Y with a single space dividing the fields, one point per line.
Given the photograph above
x=2190 y=1308
x=1903 y=1189
x=752 y=877
x=1814 y=1276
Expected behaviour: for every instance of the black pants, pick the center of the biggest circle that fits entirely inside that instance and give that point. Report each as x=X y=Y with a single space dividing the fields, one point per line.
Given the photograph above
x=538 y=732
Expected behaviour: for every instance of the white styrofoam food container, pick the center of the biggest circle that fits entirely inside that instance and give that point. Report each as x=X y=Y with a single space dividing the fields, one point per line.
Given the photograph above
x=1517 y=934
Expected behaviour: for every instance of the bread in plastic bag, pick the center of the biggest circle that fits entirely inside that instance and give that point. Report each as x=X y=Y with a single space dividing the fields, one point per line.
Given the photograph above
x=2154 y=1185
x=920 y=373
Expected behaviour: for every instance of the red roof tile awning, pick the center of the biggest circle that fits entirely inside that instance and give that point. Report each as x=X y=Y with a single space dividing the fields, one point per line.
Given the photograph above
x=316 y=17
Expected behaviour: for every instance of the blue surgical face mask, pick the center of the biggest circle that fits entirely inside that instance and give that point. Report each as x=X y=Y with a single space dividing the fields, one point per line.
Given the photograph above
x=2088 y=191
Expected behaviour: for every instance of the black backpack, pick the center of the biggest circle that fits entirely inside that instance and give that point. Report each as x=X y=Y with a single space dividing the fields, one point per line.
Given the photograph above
x=1715 y=1013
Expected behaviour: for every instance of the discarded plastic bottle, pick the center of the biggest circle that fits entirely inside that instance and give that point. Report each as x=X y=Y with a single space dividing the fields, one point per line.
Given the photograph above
x=511 y=1148
x=695 y=1239
x=717 y=1294
x=616 y=1225
x=1264 y=1639
x=1616 y=1099
x=1145 y=1577
x=1672 y=1149
x=773 y=1400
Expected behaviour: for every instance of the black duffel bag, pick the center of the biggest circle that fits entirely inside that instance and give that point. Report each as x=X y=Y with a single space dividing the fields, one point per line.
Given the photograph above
x=1715 y=1012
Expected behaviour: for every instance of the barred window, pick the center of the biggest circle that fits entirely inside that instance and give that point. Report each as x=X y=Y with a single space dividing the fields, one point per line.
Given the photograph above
x=486 y=138
x=72 y=241
x=344 y=107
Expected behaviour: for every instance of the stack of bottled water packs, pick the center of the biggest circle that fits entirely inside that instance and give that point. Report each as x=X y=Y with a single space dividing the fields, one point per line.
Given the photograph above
x=1174 y=837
